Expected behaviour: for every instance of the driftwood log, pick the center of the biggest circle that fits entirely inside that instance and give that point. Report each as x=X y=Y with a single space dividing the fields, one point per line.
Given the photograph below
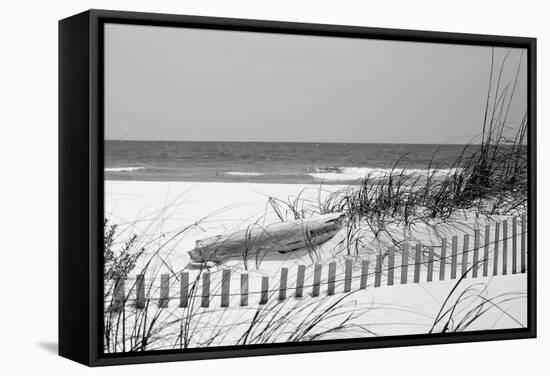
x=280 y=237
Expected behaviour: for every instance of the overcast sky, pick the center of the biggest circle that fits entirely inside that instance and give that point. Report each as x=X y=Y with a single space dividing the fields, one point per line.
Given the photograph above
x=164 y=83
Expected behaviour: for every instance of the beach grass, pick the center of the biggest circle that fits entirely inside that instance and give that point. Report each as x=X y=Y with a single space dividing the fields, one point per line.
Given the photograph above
x=129 y=328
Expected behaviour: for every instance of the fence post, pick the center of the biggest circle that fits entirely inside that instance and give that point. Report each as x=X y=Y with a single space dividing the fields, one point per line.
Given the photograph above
x=140 y=291
x=119 y=296
x=514 y=246
x=300 y=281
x=348 y=275
x=244 y=289
x=391 y=265
x=430 y=264
x=404 y=263
x=331 y=278
x=282 y=283
x=364 y=274
x=164 y=290
x=454 y=256
x=184 y=289
x=417 y=261
x=443 y=259
x=495 y=251
x=523 y=242
x=265 y=289
x=465 y=247
x=378 y=271
x=226 y=285
x=205 y=302
x=316 y=280
x=486 y=250
x=504 y=247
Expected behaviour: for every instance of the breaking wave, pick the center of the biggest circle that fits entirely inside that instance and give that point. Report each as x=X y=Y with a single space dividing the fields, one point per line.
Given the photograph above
x=357 y=173
x=239 y=173
x=123 y=169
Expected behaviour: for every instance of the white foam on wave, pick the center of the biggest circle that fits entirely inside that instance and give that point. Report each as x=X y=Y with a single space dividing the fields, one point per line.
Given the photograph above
x=123 y=169
x=240 y=173
x=357 y=173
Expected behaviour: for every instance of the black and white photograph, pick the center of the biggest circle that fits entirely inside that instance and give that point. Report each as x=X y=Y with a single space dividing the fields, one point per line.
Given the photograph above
x=290 y=187
x=266 y=188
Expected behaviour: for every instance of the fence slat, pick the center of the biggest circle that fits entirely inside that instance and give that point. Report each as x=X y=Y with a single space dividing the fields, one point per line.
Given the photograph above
x=265 y=289
x=514 y=245
x=465 y=246
x=378 y=271
x=331 y=278
x=430 y=264
x=475 y=260
x=119 y=296
x=391 y=265
x=364 y=274
x=316 y=280
x=404 y=263
x=443 y=260
x=184 y=289
x=300 y=281
x=504 y=247
x=283 y=283
x=164 y=290
x=454 y=256
x=140 y=291
x=486 y=250
x=244 y=289
x=226 y=287
x=496 y=250
x=205 y=301
x=523 y=243
x=348 y=275
x=417 y=261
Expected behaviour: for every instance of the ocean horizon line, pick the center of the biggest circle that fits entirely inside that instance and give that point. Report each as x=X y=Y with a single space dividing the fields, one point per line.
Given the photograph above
x=301 y=142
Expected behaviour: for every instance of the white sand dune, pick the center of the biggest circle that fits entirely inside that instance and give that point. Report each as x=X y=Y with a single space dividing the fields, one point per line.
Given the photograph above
x=169 y=217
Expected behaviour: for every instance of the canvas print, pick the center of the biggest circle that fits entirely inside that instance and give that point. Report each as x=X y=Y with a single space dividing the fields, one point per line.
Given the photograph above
x=266 y=188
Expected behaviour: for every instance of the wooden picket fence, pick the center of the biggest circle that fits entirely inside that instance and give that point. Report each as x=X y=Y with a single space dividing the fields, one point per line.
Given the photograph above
x=386 y=266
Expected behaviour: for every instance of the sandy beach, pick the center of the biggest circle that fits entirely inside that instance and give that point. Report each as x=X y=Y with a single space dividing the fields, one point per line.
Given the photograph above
x=169 y=217
x=157 y=210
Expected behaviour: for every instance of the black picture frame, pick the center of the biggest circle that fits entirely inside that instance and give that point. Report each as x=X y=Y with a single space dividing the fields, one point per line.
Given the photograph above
x=81 y=184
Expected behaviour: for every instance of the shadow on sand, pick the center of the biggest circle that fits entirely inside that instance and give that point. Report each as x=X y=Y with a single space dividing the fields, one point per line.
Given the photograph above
x=50 y=347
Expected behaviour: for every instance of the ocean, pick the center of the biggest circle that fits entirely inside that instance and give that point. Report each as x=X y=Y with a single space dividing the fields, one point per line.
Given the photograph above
x=271 y=162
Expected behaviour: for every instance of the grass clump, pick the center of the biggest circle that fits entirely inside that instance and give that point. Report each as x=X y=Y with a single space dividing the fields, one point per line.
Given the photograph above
x=489 y=177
